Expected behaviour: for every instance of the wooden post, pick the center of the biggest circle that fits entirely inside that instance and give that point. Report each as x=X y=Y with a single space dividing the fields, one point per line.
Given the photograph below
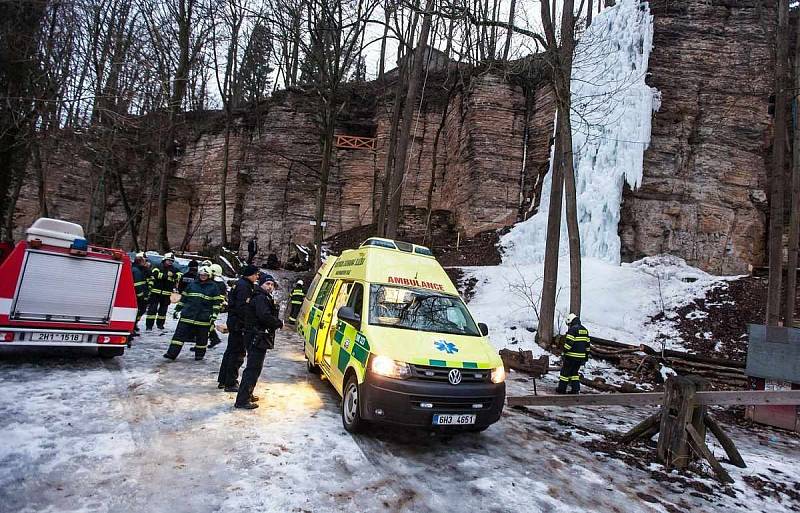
x=726 y=442
x=699 y=411
x=673 y=449
x=648 y=426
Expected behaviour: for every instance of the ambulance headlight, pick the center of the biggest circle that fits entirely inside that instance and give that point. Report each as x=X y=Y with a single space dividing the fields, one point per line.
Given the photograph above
x=385 y=366
x=498 y=374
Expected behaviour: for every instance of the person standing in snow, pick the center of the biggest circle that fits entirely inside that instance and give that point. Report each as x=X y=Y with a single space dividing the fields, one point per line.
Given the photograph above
x=576 y=353
x=140 y=273
x=216 y=271
x=296 y=301
x=252 y=249
x=232 y=360
x=162 y=281
x=260 y=321
x=189 y=276
x=199 y=304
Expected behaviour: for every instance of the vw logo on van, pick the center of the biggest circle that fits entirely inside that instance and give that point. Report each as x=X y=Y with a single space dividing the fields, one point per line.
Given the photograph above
x=454 y=376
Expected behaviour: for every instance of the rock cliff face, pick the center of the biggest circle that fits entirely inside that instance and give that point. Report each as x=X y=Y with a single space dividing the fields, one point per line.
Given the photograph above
x=702 y=196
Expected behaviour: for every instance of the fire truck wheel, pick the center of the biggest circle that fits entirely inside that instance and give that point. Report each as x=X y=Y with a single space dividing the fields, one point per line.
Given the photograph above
x=110 y=352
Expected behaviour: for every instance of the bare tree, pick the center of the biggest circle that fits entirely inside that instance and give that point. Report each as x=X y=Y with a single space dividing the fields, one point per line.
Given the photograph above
x=777 y=178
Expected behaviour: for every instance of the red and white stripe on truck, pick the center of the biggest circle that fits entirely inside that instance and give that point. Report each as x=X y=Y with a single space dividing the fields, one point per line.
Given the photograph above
x=60 y=296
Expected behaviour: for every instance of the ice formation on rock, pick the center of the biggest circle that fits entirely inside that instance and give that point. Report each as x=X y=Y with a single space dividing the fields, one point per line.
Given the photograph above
x=612 y=109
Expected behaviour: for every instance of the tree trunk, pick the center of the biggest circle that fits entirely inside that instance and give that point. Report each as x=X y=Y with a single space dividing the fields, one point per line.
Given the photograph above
x=511 y=14
x=396 y=182
x=570 y=198
x=223 y=182
x=390 y=155
x=325 y=170
x=550 y=279
x=589 y=13
x=776 y=185
x=794 y=220
x=381 y=63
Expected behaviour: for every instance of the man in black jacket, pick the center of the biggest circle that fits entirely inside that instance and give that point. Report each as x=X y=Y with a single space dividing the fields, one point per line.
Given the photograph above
x=576 y=352
x=260 y=322
x=232 y=360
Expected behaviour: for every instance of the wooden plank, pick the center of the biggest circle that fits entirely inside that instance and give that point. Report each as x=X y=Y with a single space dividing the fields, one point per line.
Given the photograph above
x=725 y=441
x=722 y=398
x=643 y=399
x=749 y=397
x=648 y=425
x=699 y=446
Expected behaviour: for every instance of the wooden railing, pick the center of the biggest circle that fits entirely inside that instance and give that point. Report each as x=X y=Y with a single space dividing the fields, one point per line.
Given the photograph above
x=355 y=143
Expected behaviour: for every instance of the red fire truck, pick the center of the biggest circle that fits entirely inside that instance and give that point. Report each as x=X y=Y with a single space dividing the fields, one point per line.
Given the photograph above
x=58 y=290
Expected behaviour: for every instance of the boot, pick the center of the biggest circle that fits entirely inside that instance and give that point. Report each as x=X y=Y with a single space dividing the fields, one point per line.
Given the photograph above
x=173 y=351
x=254 y=398
x=247 y=406
x=232 y=388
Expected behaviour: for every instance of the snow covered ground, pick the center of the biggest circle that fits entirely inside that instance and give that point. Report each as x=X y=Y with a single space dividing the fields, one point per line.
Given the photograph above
x=139 y=433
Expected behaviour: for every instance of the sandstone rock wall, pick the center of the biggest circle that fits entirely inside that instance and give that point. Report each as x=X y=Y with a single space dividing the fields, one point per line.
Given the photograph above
x=702 y=196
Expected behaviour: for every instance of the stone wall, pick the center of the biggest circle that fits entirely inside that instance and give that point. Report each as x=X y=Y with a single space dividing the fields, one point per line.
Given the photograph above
x=702 y=196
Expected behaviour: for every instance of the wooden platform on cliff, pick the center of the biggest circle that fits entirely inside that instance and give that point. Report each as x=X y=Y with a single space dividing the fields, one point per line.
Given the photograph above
x=352 y=142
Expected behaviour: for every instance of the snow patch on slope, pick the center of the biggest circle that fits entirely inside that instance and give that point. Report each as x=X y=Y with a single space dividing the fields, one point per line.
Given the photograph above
x=612 y=109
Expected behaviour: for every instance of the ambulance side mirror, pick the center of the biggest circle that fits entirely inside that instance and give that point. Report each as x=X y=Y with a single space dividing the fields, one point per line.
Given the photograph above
x=484 y=329
x=348 y=315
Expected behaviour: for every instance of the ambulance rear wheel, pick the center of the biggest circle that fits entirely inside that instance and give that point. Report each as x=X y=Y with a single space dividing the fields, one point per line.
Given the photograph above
x=110 y=352
x=351 y=410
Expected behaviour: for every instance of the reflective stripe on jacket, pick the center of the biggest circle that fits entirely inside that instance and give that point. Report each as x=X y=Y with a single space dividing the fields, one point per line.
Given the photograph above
x=200 y=303
x=163 y=281
x=576 y=342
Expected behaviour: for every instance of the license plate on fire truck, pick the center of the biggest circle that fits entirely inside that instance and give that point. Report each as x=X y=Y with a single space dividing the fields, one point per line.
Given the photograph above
x=57 y=337
x=453 y=420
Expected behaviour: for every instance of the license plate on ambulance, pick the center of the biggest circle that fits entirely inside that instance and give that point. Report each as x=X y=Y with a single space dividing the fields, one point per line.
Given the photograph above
x=57 y=337
x=453 y=420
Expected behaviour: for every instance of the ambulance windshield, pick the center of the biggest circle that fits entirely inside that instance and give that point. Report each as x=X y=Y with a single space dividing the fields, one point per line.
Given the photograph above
x=418 y=309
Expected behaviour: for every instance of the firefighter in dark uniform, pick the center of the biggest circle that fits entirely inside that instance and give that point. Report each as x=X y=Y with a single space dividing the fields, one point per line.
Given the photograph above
x=140 y=285
x=260 y=321
x=189 y=276
x=216 y=273
x=296 y=301
x=162 y=281
x=576 y=352
x=232 y=360
x=199 y=304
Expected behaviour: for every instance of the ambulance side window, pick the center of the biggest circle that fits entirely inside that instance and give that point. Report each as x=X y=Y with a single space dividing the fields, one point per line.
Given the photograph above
x=313 y=286
x=324 y=292
x=356 y=299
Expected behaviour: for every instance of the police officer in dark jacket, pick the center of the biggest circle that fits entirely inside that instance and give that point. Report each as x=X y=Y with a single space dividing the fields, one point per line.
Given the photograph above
x=232 y=360
x=576 y=352
x=198 y=307
x=162 y=281
x=261 y=319
x=140 y=272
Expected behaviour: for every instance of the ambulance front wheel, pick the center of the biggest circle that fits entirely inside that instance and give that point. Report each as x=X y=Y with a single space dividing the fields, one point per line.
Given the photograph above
x=351 y=411
x=110 y=352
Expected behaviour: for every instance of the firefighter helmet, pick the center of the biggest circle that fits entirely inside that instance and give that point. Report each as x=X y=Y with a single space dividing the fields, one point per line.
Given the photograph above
x=205 y=270
x=206 y=263
x=300 y=282
x=571 y=318
x=216 y=269
x=169 y=256
x=140 y=255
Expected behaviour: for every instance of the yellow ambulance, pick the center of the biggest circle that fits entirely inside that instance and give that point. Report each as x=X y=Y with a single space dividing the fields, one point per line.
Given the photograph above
x=387 y=328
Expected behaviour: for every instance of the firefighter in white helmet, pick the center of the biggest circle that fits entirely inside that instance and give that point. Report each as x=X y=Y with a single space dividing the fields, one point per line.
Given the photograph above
x=198 y=307
x=296 y=300
x=576 y=353
x=163 y=279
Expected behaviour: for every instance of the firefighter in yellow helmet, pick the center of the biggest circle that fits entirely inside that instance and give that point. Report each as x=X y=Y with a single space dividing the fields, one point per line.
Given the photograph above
x=163 y=279
x=296 y=300
x=198 y=307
